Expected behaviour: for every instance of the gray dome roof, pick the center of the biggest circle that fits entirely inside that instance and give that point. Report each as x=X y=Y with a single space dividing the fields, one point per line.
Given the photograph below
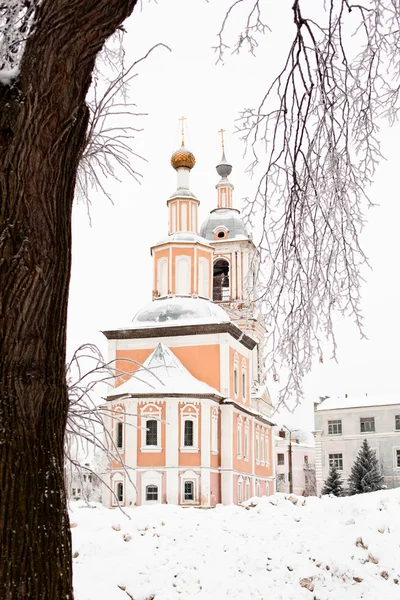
x=183 y=236
x=225 y=217
x=224 y=169
x=180 y=311
x=182 y=193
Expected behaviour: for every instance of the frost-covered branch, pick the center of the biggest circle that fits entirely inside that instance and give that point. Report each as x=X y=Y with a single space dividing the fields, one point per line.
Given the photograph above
x=315 y=136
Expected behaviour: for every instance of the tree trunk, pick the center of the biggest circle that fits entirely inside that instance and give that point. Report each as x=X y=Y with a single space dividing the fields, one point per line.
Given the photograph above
x=43 y=122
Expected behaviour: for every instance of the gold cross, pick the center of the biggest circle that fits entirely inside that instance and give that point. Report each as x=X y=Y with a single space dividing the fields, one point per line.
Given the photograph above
x=183 y=119
x=222 y=131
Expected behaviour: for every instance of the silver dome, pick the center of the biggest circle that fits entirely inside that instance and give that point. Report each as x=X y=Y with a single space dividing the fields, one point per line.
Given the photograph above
x=224 y=169
x=180 y=311
x=225 y=217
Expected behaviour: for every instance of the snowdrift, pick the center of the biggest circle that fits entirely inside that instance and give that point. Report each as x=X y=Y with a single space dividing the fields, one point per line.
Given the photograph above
x=274 y=548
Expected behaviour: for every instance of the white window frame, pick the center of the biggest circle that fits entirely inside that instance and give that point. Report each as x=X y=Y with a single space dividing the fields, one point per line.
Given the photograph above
x=335 y=424
x=150 y=412
x=280 y=464
x=151 y=478
x=183 y=281
x=214 y=431
x=119 y=479
x=158 y=493
x=247 y=488
x=244 y=380
x=336 y=460
x=397 y=422
x=190 y=412
x=162 y=276
x=266 y=441
x=194 y=216
x=240 y=489
x=184 y=217
x=396 y=453
x=257 y=445
x=119 y=424
x=369 y=420
x=239 y=436
x=262 y=449
x=190 y=476
x=246 y=452
x=257 y=488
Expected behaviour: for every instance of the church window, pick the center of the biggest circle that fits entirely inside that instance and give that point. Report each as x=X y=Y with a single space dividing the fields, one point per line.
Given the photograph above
x=221 y=285
x=235 y=380
x=257 y=446
x=244 y=381
x=151 y=432
x=162 y=276
x=173 y=218
x=120 y=435
x=189 y=490
x=239 y=438
x=221 y=234
x=262 y=449
x=188 y=435
x=247 y=488
x=204 y=277
x=184 y=226
x=246 y=440
x=151 y=493
x=266 y=448
x=183 y=275
x=120 y=491
x=257 y=486
x=240 y=490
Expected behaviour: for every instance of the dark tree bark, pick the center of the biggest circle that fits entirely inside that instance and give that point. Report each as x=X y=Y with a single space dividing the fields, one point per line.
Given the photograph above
x=43 y=122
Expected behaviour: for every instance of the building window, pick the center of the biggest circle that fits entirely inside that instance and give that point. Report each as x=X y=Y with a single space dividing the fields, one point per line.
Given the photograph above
x=305 y=459
x=120 y=491
x=262 y=457
x=239 y=438
x=188 y=435
x=221 y=291
x=151 y=493
x=282 y=477
x=204 y=277
x=162 y=276
x=235 y=380
x=244 y=383
x=257 y=447
x=281 y=459
x=189 y=490
x=367 y=424
x=257 y=487
x=120 y=435
x=336 y=460
x=246 y=439
x=183 y=275
x=335 y=427
x=266 y=448
x=397 y=422
x=240 y=492
x=151 y=432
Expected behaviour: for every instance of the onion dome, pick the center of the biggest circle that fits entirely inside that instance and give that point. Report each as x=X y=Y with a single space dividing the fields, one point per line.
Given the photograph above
x=183 y=158
x=224 y=169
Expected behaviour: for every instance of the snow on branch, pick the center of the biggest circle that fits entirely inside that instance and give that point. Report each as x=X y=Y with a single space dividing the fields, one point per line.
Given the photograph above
x=16 y=20
x=314 y=134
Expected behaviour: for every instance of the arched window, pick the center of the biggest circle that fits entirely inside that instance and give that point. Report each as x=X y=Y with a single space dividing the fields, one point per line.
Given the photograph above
x=246 y=438
x=188 y=434
x=183 y=275
x=151 y=432
x=162 y=276
x=194 y=217
x=120 y=491
x=120 y=435
x=221 y=285
x=240 y=490
x=204 y=277
x=214 y=431
x=151 y=493
x=184 y=226
x=239 y=436
x=189 y=490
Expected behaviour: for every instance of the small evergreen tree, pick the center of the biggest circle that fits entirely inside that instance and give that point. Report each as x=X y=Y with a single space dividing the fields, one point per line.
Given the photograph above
x=366 y=474
x=333 y=484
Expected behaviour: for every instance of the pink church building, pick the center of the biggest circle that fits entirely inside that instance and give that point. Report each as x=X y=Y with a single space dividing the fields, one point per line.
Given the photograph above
x=192 y=419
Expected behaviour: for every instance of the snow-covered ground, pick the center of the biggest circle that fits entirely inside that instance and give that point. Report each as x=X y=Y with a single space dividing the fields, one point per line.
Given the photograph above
x=338 y=548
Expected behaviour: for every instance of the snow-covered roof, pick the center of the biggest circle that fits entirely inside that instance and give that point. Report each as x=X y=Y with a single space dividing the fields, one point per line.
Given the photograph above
x=180 y=311
x=341 y=402
x=163 y=374
x=185 y=237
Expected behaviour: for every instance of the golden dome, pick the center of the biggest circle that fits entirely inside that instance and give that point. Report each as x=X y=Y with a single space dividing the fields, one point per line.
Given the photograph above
x=183 y=158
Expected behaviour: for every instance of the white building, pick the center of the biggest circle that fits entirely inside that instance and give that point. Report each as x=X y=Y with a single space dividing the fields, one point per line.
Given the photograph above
x=303 y=465
x=341 y=424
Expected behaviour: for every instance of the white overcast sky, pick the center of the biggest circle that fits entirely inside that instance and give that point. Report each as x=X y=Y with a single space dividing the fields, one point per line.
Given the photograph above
x=112 y=267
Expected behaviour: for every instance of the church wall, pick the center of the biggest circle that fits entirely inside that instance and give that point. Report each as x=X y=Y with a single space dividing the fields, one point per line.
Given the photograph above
x=158 y=254
x=215 y=487
x=182 y=251
x=201 y=361
x=238 y=360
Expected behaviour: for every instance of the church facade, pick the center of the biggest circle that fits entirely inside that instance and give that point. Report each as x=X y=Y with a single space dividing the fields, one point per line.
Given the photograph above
x=190 y=412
